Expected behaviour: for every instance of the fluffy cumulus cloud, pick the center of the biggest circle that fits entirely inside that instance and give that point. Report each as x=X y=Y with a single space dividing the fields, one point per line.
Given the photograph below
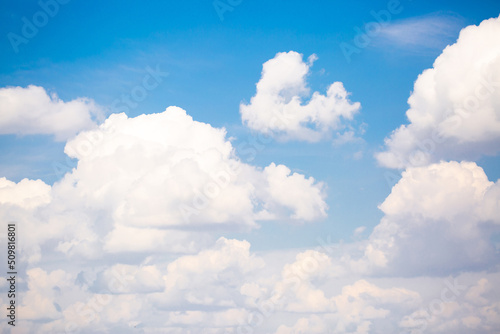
x=279 y=107
x=455 y=106
x=357 y=307
x=26 y=193
x=438 y=219
x=31 y=110
x=211 y=279
x=168 y=171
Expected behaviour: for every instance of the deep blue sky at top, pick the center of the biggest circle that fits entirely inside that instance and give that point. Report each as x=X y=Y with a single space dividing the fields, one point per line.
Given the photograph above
x=101 y=49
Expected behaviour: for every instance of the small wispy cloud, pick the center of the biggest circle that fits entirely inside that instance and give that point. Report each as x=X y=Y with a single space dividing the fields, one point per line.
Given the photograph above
x=432 y=31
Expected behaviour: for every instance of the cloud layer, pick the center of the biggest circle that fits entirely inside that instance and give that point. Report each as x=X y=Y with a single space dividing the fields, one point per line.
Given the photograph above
x=278 y=108
x=428 y=265
x=454 y=107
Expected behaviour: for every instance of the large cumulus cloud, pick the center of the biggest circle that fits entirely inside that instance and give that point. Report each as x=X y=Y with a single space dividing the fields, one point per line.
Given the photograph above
x=455 y=106
x=167 y=170
x=162 y=180
x=438 y=219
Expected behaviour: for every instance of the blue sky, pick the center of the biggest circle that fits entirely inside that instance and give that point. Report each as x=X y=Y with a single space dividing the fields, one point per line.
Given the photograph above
x=211 y=61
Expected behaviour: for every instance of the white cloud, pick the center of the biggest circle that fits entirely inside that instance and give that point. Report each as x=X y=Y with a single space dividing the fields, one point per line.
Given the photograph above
x=296 y=290
x=165 y=181
x=356 y=308
x=294 y=192
x=166 y=170
x=26 y=194
x=205 y=322
x=22 y=203
x=454 y=107
x=38 y=303
x=203 y=292
x=438 y=219
x=150 y=239
x=212 y=277
x=228 y=289
x=278 y=108
x=122 y=278
x=30 y=110
x=469 y=304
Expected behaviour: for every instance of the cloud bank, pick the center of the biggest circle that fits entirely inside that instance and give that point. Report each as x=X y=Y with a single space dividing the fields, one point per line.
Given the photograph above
x=428 y=265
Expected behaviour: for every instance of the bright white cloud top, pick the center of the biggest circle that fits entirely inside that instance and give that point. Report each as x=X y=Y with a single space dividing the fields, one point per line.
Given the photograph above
x=279 y=107
x=30 y=110
x=167 y=170
x=455 y=106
